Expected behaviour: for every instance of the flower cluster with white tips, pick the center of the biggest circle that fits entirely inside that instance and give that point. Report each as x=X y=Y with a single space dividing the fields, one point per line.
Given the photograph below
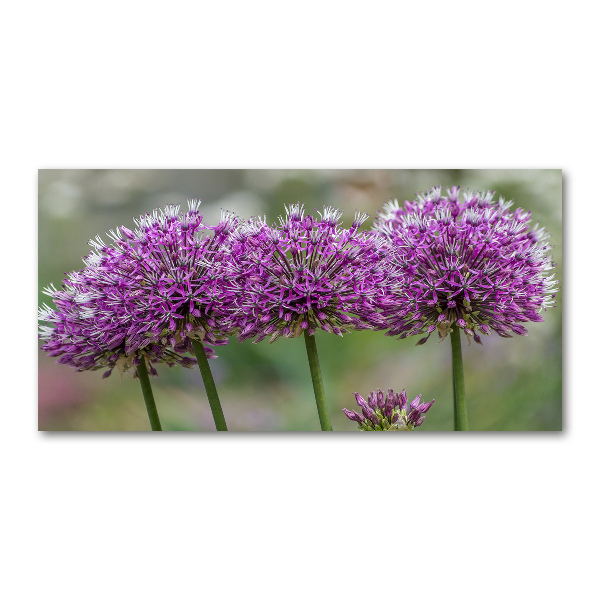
x=307 y=273
x=145 y=295
x=471 y=264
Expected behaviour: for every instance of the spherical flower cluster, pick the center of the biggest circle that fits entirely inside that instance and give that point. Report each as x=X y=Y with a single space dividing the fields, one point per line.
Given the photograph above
x=473 y=264
x=391 y=412
x=306 y=274
x=145 y=295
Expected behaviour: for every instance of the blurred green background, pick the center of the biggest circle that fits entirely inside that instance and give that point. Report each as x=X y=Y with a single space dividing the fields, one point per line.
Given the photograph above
x=512 y=384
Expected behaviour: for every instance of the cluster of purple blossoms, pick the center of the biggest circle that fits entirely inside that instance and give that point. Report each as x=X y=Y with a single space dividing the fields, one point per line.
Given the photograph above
x=306 y=273
x=388 y=412
x=144 y=296
x=471 y=263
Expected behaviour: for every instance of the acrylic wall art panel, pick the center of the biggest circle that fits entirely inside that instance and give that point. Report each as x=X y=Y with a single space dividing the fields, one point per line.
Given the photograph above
x=404 y=301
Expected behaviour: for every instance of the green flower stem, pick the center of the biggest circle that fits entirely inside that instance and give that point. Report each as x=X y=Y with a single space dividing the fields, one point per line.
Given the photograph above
x=315 y=373
x=454 y=397
x=461 y=422
x=209 y=384
x=142 y=372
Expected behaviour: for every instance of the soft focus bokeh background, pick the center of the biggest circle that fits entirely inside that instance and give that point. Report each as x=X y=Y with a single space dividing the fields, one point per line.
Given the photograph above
x=512 y=384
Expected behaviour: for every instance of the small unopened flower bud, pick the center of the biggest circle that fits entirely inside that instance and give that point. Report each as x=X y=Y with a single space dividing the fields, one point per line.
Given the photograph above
x=359 y=399
x=375 y=419
x=128 y=233
x=352 y=415
x=416 y=401
x=372 y=399
x=403 y=399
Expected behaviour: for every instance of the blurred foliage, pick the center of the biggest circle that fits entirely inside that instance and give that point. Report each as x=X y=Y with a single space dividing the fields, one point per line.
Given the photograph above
x=512 y=384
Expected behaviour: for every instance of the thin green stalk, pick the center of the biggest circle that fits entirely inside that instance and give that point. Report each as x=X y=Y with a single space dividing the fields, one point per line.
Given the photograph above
x=317 y=380
x=209 y=384
x=460 y=405
x=454 y=397
x=142 y=372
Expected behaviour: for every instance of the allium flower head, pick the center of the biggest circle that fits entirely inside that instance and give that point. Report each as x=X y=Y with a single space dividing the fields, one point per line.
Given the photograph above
x=472 y=264
x=144 y=295
x=306 y=273
x=388 y=412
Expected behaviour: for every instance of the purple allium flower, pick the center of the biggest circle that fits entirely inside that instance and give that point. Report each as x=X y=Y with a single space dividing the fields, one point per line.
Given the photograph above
x=388 y=412
x=145 y=295
x=306 y=274
x=471 y=263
